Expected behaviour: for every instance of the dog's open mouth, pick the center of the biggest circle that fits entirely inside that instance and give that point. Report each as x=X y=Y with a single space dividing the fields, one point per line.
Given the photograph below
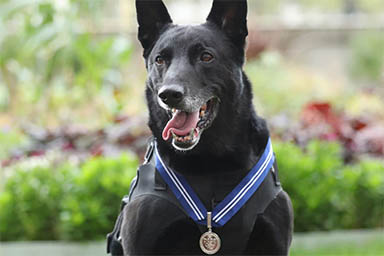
x=186 y=128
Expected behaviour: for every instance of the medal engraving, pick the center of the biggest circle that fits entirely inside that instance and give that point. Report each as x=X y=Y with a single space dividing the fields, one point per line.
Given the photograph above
x=210 y=242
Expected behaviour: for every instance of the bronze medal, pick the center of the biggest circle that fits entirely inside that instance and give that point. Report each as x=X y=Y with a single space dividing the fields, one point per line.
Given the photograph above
x=210 y=242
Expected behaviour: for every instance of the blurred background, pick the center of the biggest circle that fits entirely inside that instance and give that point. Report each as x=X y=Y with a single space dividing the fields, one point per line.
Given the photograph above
x=73 y=117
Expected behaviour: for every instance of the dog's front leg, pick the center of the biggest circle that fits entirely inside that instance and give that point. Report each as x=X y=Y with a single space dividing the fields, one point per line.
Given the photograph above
x=154 y=226
x=272 y=232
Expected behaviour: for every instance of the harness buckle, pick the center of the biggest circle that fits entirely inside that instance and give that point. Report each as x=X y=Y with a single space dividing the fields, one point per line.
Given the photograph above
x=150 y=149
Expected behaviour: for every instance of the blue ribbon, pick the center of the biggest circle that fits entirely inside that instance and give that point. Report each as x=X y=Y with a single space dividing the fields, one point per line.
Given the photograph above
x=231 y=204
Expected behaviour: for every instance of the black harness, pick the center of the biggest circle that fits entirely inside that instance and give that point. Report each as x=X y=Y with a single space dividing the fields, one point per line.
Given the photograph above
x=149 y=182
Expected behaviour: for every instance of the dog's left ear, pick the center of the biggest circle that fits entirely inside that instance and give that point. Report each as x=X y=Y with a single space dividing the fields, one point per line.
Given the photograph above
x=231 y=17
x=152 y=16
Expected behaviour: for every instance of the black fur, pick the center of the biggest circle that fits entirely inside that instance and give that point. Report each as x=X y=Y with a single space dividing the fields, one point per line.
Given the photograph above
x=227 y=150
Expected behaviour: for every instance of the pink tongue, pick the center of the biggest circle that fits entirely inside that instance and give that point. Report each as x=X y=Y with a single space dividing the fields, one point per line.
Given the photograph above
x=181 y=124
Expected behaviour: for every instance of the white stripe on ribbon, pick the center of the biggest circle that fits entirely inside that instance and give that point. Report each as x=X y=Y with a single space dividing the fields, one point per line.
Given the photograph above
x=199 y=215
x=182 y=190
x=241 y=193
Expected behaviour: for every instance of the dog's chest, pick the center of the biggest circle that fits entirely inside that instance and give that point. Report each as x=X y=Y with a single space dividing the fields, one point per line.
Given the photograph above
x=212 y=189
x=154 y=209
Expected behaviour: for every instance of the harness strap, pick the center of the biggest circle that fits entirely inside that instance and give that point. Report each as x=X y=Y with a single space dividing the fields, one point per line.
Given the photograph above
x=114 y=246
x=113 y=239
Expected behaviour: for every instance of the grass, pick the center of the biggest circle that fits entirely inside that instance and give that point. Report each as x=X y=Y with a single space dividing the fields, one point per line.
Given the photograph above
x=350 y=243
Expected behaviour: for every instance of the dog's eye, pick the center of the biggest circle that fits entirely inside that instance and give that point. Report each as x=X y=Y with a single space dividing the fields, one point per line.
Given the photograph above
x=160 y=60
x=206 y=57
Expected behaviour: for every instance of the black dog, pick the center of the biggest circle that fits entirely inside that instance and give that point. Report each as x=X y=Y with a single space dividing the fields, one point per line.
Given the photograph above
x=205 y=130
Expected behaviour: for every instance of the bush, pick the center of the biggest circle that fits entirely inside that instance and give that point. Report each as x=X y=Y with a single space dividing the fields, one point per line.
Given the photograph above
x=48 y=202
x=31 y=203
x=368 y=189
x=91 y=208
x=51 y=61
x=328 y=195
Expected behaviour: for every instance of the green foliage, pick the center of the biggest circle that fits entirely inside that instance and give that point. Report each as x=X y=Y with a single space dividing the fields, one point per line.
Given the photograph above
x=90 y=210
x=10 y=139
x=368 y=188
x=281 y=88
x=49 y=202
x=327 y=195
x=30 y=205
x=272 y=85
x=51 y=58
x=367 y=56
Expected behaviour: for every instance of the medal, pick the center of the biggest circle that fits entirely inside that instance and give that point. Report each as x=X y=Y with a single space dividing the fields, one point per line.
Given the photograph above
x=209 y=241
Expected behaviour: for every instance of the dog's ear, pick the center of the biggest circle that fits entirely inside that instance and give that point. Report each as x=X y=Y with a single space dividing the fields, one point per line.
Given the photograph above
x=152 y=16
x=231 y=17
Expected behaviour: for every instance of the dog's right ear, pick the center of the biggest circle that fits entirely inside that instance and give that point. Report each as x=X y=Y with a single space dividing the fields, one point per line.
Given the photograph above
x=152 y=16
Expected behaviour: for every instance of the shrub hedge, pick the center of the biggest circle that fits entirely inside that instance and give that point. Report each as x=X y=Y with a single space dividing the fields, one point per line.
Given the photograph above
x=64 y=202
x=327 y=194
x=89 y=211
x=30 y=206
x=51 y=202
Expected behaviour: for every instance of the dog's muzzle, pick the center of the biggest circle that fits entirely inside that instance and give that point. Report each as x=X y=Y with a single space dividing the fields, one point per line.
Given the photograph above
x=185 y=127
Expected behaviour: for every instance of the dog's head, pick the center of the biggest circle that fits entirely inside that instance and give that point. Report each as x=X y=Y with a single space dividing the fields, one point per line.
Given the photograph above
x=194 y=72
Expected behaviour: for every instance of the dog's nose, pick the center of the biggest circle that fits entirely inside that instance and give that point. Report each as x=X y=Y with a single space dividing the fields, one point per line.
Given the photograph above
x=171 y=95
